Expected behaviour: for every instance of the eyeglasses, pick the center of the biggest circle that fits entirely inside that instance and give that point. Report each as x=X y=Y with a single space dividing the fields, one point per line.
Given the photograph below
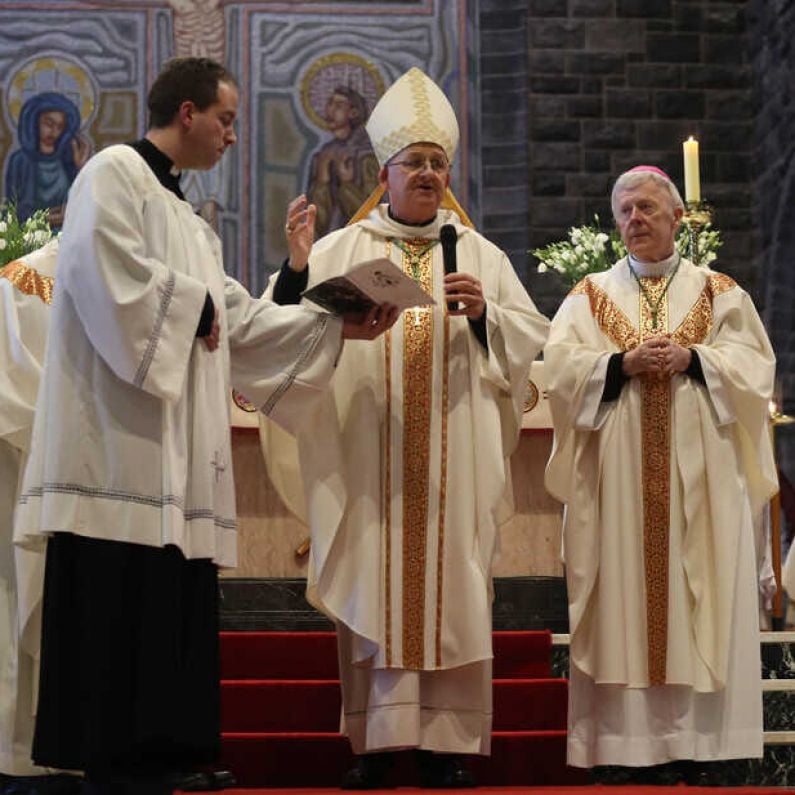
x=416 y=163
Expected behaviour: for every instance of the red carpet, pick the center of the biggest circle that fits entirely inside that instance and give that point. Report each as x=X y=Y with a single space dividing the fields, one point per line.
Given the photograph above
x=280 y=715
x=595 y=790
x=281 y=708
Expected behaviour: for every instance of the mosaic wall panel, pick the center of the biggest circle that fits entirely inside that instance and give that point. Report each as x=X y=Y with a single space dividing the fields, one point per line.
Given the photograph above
x=309 y=75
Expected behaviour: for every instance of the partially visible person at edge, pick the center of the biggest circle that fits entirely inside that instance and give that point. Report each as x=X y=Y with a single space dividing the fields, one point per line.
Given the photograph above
x=405 y=465
x=129 y=480
x=26 y=287
x=25 y=295
x=659 y=375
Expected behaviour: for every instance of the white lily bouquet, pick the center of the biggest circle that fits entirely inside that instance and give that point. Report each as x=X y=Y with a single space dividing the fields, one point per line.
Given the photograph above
x=590 y=250
x=18 y=238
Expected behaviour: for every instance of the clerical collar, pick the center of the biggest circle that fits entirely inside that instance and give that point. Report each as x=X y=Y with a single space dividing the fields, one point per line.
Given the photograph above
x=408 y=223
x=661 y=268
x=161 y=164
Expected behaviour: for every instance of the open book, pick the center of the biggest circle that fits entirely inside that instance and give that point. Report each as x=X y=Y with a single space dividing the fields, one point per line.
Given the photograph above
x=376 y=281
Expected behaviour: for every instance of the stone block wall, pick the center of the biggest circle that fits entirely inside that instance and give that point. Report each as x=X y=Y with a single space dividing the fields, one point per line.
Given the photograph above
x=772 y=53
x=771 y=36
x=504 y=127
x=610 y=84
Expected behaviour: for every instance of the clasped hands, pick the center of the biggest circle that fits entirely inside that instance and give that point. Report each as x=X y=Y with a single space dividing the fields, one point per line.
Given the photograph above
x=659 y=355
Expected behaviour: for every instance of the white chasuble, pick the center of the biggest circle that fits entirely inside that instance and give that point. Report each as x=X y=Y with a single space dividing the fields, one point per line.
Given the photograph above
x=662 y=487
x=25 y=294
x=404 y=467
x=131 y=437
x=405 y=464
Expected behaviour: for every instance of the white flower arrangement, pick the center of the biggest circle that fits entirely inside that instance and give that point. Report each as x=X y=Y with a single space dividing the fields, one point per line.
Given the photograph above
x=18 y=238
x=590 y=250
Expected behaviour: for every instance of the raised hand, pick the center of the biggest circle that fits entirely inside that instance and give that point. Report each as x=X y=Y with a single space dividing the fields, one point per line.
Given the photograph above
x=300 y=230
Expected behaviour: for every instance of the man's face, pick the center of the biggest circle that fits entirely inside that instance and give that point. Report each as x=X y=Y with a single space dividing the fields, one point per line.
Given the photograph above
x=416 y=179
x=647 y=221
x=338 y=112
x=51 y=125
x=211 y=131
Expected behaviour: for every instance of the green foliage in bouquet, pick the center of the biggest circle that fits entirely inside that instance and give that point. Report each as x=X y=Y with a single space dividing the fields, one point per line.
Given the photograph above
x=18 y=238
x=590 y=250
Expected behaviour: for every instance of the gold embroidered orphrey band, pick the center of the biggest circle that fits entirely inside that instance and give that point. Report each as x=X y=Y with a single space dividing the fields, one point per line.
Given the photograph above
x=656 y=479
x=418 y=335
x=28 y=281
x=388 y=494
x=656 y=436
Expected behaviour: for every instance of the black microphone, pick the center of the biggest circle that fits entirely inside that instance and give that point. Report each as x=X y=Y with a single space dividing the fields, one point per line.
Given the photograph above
x=448 y=238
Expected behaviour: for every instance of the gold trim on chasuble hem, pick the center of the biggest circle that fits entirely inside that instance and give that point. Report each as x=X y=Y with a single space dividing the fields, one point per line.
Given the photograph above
x=417 y=405
x=28 y=280
x=655 y=436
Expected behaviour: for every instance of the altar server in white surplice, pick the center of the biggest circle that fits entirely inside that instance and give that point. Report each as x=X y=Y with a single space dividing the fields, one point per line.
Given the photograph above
x=659 y=375
x=129 y=480
x=406 y=463
x=25 y=295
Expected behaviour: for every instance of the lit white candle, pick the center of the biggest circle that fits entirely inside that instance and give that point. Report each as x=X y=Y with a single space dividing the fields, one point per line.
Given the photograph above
x=692 y=180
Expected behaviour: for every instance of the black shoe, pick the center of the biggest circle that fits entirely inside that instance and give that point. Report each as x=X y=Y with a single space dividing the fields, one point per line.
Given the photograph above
x=55 y=784
x=200 y=782
x=444 y=771
x=369 y=771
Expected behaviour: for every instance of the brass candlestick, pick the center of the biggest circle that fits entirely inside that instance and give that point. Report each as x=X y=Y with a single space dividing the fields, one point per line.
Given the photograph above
x=697 y=216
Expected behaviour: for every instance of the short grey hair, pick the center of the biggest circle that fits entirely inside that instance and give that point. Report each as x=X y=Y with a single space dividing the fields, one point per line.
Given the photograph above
x=631 y=179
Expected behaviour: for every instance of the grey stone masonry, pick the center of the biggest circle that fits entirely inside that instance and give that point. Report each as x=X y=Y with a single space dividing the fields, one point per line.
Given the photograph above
x=615 y=83
x=504 y=120
x=771 y=166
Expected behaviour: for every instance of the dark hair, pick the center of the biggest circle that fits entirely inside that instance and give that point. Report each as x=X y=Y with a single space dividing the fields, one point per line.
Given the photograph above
x=358 y=104
x=182 y=79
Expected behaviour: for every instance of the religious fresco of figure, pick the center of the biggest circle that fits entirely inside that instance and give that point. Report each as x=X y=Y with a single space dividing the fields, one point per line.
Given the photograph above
x=337 y=93
x=51 y=103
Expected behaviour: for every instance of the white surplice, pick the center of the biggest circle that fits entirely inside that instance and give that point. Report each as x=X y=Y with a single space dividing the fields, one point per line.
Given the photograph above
x=404 y=468
x=698 y=461
x=25 y=290
x=131 y=439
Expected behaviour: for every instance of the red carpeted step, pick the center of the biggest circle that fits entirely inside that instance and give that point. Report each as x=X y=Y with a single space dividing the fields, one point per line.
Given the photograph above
x=314 y=705
x=530 y=704
x=521 y=655
x=279 y=655
x=297 y=705
x=281 y=704
x=313 y=655
x=320 y=759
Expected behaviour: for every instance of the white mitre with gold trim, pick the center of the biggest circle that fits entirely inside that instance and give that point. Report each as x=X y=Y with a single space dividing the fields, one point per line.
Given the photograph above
x=413 y=110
